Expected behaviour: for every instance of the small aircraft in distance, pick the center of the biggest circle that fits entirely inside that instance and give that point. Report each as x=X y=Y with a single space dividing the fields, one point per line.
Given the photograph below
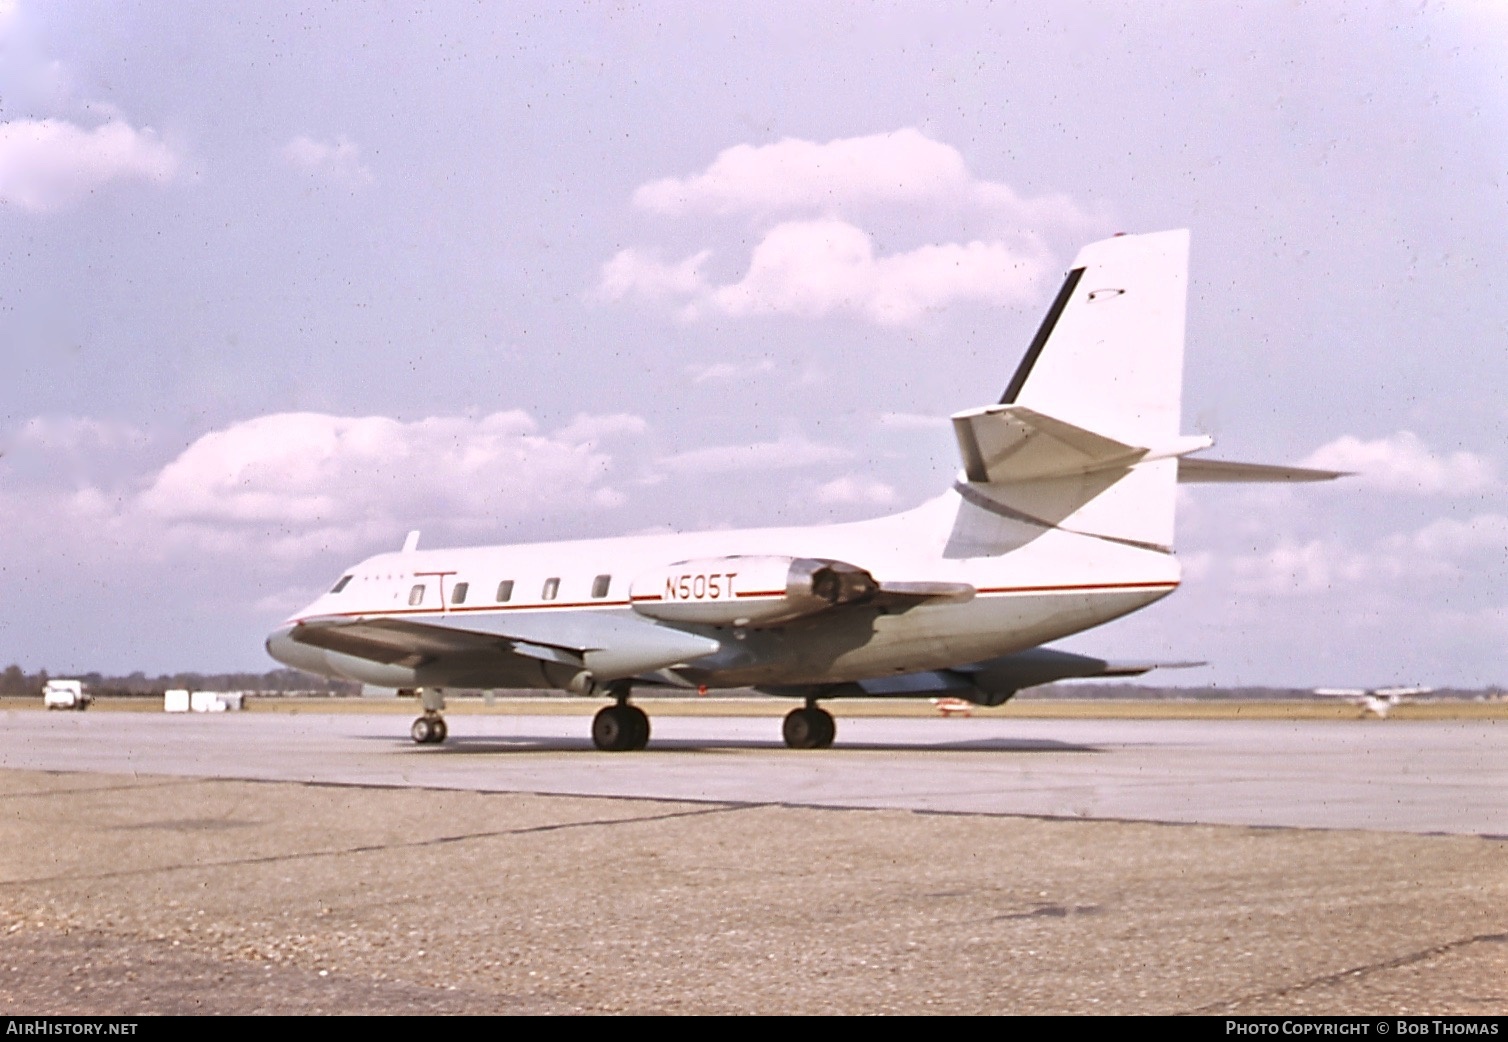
x=951 y=707
x=1378 y=701
x=1060 y=519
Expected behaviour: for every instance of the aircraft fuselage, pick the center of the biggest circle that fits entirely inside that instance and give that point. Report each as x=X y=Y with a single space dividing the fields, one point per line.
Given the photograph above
x=1056 y=584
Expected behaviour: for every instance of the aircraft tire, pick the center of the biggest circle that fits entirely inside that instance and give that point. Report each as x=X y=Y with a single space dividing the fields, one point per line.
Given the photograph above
x=617 y=728
x=801 y=730
x=640 y=723
x=827 y=727
x=423 y=730
x=438 y=731
x=809 y=728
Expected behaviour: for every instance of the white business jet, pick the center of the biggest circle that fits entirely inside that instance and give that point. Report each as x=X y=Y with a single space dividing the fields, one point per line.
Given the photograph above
x=1061 y=519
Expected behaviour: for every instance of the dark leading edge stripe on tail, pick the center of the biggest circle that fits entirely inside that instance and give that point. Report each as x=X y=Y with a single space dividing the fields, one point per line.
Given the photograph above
x=1040 y=340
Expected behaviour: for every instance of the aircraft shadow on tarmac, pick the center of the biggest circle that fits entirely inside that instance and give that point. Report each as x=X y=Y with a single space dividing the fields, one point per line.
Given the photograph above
x=493 y=745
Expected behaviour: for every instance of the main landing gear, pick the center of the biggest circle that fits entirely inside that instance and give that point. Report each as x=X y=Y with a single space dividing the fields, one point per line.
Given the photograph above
x=809 y=728
x=430 y=728
x=621 y=727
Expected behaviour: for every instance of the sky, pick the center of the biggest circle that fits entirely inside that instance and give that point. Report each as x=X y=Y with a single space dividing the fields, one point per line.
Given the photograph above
x=280 y=282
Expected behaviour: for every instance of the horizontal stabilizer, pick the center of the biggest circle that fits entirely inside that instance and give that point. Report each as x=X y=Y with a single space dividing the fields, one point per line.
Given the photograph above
x=1007 y=443
x=1013 y=443
x=1227 y=471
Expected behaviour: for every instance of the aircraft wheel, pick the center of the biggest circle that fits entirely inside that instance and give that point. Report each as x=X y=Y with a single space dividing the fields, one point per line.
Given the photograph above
x=802 y=729
x=619 y=728
x=639 y=721
x=429 y=730
x=827 y=727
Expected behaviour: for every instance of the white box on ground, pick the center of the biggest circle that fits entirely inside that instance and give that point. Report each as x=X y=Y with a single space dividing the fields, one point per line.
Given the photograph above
x=206 y=702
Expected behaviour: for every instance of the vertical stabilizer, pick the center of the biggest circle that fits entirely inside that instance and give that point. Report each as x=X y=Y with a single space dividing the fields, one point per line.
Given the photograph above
x=1109 y=355
x=1086 y=437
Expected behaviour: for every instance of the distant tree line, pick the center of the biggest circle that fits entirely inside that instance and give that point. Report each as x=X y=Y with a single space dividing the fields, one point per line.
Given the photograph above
x=16 y=681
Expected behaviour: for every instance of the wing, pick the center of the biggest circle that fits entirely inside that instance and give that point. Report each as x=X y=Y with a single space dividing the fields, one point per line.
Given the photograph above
x=609 y=647
x=989 y=683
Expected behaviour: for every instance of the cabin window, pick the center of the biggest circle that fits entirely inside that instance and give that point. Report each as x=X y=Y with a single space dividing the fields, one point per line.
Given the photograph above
x=458 y=593
x=344 y=581
x=552 y=587
x=505 y=591
x=600 y=585
x=416 y=595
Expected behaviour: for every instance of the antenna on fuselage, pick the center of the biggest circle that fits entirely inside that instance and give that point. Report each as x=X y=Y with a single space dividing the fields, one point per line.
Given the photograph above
x=412 y=542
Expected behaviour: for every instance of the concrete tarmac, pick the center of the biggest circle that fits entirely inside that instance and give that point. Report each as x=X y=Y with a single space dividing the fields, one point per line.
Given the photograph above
x=1414 y=776
x=316 y=863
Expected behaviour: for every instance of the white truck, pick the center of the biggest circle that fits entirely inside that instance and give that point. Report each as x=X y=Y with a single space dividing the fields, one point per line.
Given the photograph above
x=66 y=694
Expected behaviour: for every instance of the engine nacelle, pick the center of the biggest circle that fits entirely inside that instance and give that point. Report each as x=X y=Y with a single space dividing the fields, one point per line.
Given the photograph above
x=748 y=591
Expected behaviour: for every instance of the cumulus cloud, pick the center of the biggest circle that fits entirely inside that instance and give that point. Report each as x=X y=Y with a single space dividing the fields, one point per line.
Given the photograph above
x=589 y=431
x=49 y=452
x=813 y=254
x=73 y=433
x=821 y=267
x=641 y=273
x=728 y=372
x=1448 y=538
x=1403 y=463
x=1446 y=549
x=814 y=268
x=337 y=162
x=850 y=490
x=292 y=485
x=912 y=421
x=1300 y=568
x=50 y=164
x=311 y=469
x=787 y=453
x=902 y=167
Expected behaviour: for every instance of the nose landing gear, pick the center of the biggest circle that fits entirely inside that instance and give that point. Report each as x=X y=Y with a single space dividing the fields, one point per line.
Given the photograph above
x=430 y=728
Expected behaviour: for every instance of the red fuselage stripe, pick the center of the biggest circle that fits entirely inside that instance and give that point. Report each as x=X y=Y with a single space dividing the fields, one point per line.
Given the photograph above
x=558 y=606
